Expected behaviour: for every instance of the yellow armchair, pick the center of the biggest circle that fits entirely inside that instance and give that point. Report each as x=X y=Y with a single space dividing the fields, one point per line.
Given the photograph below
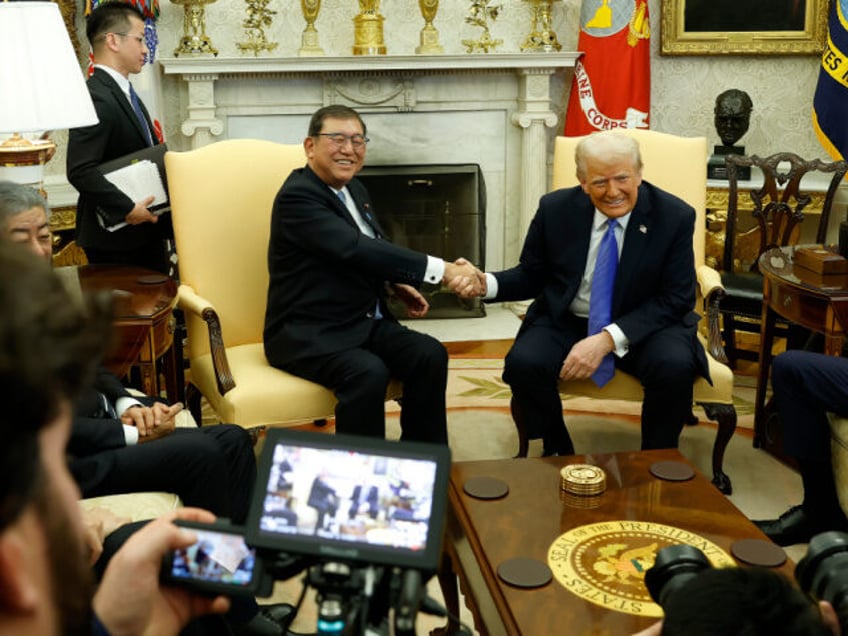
x=677 y=165
x=221 y=199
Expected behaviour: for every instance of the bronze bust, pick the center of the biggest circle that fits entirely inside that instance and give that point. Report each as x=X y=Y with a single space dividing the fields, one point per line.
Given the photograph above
x=732 y=115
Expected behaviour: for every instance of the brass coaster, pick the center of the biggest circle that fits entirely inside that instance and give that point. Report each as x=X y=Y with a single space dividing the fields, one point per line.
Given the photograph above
x=523 y=572
x=605 y=563
x=485 y=488
x=758 y=552
x=672 y=471
x=583 y=479
x=152 y=279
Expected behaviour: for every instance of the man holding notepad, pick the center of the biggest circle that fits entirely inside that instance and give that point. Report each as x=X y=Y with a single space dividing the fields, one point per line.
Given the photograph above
x=113 y=227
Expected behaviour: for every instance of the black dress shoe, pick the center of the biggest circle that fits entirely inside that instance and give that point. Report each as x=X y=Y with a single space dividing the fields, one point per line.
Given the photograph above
x=270 y=620
x=793 y=526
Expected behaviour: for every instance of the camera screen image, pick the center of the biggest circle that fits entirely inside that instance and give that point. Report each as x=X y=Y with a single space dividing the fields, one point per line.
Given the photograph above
x=354 y=498
x=217 y=557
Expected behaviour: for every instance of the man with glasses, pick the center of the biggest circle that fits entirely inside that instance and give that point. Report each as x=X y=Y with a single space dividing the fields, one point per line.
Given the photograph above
x=116 y=33
x=611 y=268
x=331 y=269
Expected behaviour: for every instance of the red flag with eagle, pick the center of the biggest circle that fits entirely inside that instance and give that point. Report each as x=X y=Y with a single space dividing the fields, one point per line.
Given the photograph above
x=612 y=79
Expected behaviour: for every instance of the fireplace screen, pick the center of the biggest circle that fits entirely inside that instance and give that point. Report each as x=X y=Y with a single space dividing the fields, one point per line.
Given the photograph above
x=436 y=209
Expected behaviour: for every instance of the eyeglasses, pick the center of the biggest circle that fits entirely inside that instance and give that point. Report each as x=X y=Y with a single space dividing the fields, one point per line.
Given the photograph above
x=339 y=139
x=137 y=38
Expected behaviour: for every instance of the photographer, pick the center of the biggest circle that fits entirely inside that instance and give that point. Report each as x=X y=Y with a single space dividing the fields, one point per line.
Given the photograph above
x=753 y=601
x=50 y=348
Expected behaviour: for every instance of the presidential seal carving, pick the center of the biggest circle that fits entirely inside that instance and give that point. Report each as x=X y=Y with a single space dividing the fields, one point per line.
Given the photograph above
x=605 y=563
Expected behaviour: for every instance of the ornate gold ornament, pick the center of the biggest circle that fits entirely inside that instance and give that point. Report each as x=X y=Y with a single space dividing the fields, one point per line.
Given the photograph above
x=368 y=29
x=542 y=36
x=479 y=14
x=194 y=40
x=259 y=16
x=309 y=39
x=429 y=34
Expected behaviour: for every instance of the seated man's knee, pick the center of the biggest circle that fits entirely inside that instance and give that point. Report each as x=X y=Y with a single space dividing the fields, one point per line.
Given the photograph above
x=371 y=379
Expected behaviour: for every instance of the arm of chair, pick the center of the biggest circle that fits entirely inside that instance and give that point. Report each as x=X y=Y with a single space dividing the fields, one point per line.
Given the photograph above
x=192 y=302
x=712 y=291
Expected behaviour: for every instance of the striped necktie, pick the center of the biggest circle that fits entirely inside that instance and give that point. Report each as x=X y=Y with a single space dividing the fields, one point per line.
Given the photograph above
x=600 y=300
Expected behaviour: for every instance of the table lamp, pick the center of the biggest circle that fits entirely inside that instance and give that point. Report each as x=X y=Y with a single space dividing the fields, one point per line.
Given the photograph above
x=41 y=88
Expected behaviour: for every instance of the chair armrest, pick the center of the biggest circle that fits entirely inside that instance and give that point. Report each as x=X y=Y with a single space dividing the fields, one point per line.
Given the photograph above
x=191 y=301
x=712 y=291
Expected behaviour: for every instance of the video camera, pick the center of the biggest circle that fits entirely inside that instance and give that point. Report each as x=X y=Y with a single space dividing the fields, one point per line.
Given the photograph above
x=822 y=574
x=363 y=516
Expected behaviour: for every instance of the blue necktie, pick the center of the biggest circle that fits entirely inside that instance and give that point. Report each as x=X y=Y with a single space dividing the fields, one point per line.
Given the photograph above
x=600 y=300
x=136 y=105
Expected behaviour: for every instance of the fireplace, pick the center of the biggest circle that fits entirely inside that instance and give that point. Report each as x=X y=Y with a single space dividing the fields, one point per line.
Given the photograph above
x=435 y=209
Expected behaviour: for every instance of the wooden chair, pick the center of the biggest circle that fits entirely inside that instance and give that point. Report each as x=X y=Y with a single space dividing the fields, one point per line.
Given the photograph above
x=221 y=200
x=678 y=165
x=778 y=211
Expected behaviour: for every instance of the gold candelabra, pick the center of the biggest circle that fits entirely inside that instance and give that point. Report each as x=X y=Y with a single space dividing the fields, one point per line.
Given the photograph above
x=194 y=40
x=309 y=39
x=368 y=29
x=479 y=15
x=259 y=16
x=429 y=34
x=542 y=37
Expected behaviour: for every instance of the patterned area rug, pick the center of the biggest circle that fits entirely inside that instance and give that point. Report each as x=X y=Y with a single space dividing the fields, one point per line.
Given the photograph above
x=476 y=383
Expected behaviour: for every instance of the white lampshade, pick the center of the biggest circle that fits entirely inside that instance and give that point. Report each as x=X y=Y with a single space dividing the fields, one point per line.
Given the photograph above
x=42 y=86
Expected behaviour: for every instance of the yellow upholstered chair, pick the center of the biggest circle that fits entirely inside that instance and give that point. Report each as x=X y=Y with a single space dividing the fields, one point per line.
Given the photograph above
x=221 y=199
x=677 y=165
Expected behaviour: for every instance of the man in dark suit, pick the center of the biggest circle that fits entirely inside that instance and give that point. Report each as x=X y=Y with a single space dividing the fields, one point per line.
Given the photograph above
x=330 y=272
x=806 y=386
x=116 y=33
x=648 y=328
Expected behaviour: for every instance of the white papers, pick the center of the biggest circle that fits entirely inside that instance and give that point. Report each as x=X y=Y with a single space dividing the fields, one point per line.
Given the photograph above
x=138 y=180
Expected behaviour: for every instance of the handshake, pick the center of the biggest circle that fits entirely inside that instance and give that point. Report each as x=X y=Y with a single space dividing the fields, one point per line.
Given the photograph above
x=464 y=279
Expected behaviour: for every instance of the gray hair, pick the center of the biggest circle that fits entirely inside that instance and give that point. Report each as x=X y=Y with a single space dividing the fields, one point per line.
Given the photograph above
x=16 y=198
x=606 y=145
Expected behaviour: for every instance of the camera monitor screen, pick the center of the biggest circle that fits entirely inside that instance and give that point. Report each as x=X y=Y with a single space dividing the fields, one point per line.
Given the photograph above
x=350 y=498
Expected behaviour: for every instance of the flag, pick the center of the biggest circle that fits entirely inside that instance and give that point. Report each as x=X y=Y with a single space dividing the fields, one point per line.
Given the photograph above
x=612 y=79
x=830 y=103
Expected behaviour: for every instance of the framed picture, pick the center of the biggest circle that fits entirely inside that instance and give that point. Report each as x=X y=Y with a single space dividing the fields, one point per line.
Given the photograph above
x=734 y=27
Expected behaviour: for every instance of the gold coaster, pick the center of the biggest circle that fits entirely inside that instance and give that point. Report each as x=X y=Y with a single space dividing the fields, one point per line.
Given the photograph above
x=583 y=479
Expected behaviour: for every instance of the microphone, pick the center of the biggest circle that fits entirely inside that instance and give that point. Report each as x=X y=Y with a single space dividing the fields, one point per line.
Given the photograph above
x=409 y=599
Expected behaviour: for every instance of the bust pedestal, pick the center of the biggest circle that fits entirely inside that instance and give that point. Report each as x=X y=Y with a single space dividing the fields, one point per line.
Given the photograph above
x=716 y=168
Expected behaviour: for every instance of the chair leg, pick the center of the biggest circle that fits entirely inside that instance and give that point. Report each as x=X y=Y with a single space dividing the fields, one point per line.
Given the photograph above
x=192 y=397
x=521 y=427
x=725 y=415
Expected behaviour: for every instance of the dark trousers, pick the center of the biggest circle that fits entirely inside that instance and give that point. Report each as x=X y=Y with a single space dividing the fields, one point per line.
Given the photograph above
x=359 y=378
x=213 y=467
x=806 y=386
x=665 y=364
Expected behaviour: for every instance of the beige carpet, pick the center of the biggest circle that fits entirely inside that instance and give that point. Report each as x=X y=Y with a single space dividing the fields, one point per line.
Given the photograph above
x=476 y=383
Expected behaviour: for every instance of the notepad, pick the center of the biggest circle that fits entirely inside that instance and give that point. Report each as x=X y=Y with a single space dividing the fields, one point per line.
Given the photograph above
x=138 y=181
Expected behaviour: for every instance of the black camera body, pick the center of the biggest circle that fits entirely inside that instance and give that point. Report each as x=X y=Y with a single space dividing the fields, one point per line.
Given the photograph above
x=823 y=572
x=673 y=567
x=321 y=501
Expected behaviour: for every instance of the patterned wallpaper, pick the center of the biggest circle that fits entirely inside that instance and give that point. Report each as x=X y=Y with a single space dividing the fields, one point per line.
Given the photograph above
x=683 y=87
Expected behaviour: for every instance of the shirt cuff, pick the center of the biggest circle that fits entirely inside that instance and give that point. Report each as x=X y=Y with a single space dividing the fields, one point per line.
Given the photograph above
x=435 y=271
x=130 y=435
x=123 y=403
x=491 y=287
x=622 y=344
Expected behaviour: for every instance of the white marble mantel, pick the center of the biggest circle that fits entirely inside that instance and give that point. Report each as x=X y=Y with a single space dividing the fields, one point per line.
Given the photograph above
x=493 y=109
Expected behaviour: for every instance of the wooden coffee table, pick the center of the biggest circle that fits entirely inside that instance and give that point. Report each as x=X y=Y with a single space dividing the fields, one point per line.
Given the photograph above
x=482 y=534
